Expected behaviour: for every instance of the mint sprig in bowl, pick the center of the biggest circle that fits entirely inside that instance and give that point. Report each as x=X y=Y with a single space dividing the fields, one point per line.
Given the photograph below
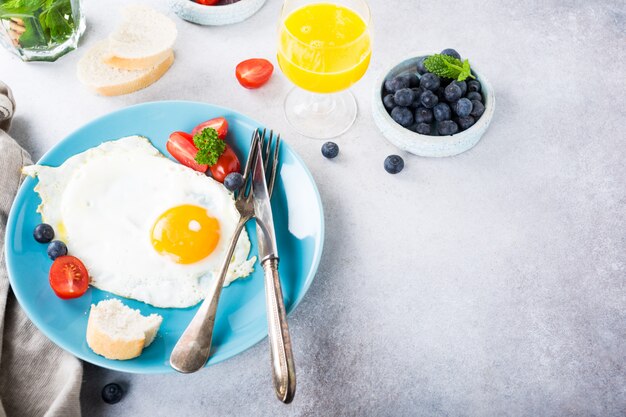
x=449 y=134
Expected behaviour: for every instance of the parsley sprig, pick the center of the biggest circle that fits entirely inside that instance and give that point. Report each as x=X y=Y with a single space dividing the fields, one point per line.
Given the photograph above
x=448 y=67
x=210 y=147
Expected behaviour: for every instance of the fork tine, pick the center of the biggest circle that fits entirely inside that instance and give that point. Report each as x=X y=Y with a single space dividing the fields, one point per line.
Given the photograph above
x=252 y=155
x=274 y=166
x=268 y=147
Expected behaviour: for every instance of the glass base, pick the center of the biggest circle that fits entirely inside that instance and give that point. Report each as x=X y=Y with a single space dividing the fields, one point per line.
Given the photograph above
x=320 y=116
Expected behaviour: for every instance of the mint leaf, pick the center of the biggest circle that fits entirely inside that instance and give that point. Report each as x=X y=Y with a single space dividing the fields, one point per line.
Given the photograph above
x=448 y=67
x=210 y=147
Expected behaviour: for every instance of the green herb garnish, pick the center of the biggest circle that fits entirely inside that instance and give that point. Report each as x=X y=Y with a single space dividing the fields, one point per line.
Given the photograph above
x=210 y=147
x=55 y=19
x=448 y=67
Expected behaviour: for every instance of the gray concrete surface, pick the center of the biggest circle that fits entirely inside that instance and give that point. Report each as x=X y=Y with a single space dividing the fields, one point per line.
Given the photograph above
x=488 y=284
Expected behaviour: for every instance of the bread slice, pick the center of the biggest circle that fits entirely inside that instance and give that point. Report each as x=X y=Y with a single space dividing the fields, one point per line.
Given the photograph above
x=109 y=81
x=116 y=331
x=142 y=40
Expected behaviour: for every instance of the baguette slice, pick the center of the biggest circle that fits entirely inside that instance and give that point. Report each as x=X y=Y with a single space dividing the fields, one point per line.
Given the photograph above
x=109 y=81
x=116 y=331
x=142 y=40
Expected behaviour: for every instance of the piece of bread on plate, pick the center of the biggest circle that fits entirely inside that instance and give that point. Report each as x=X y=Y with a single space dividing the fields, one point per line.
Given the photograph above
x=143 y=40
x=108 y=81
x=116 y=331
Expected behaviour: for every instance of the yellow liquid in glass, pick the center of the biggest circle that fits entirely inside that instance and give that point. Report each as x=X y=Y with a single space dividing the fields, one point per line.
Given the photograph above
x=324 y=47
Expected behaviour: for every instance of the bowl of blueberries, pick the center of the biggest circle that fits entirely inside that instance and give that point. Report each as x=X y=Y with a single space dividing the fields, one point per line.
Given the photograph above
x=433 y=105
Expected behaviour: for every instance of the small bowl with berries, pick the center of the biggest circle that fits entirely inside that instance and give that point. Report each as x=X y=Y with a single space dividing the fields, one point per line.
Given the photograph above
x=433 y=105
x=215 y=12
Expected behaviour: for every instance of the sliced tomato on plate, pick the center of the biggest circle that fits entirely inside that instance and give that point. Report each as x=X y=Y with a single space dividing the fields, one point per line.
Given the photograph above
x=207 y=2
x=253 y=73
x=219 y=123
x=180 y=146
x=68 y=277
x=226 y=164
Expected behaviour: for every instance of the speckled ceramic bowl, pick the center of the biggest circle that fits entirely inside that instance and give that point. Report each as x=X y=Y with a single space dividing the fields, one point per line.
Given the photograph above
x=424 y=145
x=215 y=15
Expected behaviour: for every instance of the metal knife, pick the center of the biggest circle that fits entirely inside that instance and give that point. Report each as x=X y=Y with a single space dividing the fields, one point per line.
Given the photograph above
x=283 y=369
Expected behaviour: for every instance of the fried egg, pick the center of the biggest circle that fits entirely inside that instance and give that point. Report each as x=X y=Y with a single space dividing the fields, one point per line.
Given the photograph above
x=145 y=226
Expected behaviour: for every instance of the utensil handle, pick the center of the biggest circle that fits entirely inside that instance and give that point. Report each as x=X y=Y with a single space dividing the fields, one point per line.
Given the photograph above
x=194 y=347
x=283 y=368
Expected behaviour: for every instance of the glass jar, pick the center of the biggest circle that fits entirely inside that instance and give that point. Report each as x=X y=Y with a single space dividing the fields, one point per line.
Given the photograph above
x=41 y=30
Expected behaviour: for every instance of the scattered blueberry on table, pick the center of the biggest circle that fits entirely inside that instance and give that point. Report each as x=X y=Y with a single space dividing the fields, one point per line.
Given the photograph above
x=394 y=164
x=56 y=248
x=43 y=233
x=112 y=393
x=435 y=98
x=330 y=150
x=233 y=181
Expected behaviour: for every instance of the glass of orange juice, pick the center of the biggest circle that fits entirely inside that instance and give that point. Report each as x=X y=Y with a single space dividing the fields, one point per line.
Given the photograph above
x=323 y=48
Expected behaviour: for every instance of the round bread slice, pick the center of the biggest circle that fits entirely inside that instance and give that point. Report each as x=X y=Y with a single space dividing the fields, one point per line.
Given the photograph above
x=116 y=331
x=108 y=81
x=142 y=39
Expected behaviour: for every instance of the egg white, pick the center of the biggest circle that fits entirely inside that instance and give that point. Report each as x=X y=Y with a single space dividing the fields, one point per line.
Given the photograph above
x=103 y=203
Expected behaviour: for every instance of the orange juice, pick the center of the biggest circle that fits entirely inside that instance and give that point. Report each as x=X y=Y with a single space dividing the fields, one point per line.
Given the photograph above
x=324 y=47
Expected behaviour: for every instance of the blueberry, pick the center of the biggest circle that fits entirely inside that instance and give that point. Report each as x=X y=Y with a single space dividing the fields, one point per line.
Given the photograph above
x=465 y=122
x=423 y=128
x=388 y=102
x=404 y=97
x=112 y=393
x=429 y=99
x=43 y=233
x=430 y=81
x=452 y=92
x=420 y=65
x=473 y=85
x=461 y=84
x=439 y=93
x=402 y=116
x=463 y=107
x=451 y=52
x=394 y=164
x=442 y=112
x=395 y=84
x=477 y=108
x=330 y=150
x=56 y=248
x=474 y=95
x=233 y=181
x=423 y=115
x=417 y=93
x=412 y=77
x=447 y=127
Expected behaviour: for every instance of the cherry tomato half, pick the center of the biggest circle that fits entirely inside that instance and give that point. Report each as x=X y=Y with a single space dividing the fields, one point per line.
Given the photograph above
x=180 y=146
x=253 y=73
x=226 y=164
x=219 y=123
x=207 y=2
x=68 y=277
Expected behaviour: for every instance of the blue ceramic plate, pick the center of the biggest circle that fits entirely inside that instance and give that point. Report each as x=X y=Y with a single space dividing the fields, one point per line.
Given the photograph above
x=241 y=319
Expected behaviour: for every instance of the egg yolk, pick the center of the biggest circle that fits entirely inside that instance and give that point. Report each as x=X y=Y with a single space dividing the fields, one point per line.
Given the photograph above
x=186 y=233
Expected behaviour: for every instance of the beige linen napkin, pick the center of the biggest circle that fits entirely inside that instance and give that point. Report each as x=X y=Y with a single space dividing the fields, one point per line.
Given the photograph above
x=37 y=378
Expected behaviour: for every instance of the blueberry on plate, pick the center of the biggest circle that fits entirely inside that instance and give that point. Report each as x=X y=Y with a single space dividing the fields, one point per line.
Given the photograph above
x=233 y=181
x=423 y=115
x=402 y=116
x=474 y=95
x=429 y=99
x=43 y=233
x=430 y=81
x=452 y=92
x=451 y=52
x=394 y=164
x=442 y=112
x=463 y=107
x=404 y=97
x=421 y=69
x=389 y=102
x=330 y=150
x=56 y=248
x=447 y=127
x=461 y=84
x=423 y=128
x=473 y=85
x=112 y=393
x=465 y=122
x=477 y=108
x=396 y=84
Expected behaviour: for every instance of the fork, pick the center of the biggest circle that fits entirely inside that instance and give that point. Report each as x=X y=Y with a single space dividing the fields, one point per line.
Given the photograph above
x=194 y=346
